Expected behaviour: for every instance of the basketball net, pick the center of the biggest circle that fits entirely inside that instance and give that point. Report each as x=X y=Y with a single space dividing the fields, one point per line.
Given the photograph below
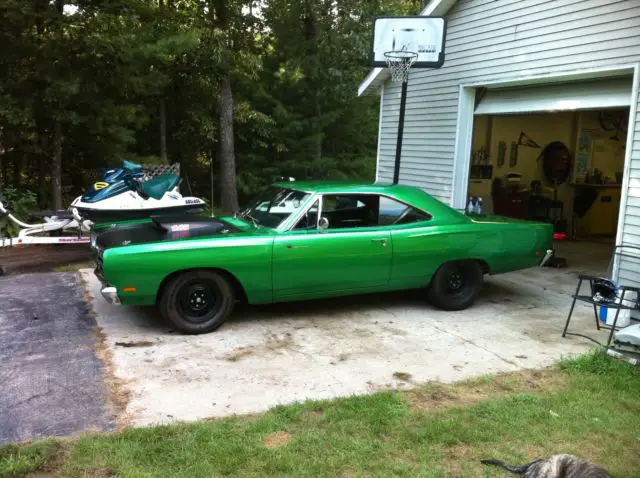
x=399 y=63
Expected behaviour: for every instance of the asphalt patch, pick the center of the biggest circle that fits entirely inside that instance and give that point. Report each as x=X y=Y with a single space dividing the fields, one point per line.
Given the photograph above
x=51 y=382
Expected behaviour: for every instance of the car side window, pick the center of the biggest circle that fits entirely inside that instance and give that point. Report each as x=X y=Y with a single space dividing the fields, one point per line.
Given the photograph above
x=413 y=215
x=350 y=210
x=392 y=212
x=367 y=210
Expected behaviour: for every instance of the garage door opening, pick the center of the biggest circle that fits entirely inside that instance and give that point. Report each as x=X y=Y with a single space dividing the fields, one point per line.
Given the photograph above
x=517 y=170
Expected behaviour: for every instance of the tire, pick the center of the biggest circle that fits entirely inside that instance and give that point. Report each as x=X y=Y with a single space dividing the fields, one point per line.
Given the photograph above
x=197 y=302
x=455 y=285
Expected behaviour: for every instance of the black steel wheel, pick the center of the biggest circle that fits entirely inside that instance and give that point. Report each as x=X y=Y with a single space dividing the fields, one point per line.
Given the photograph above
x=455 y=285
x=197 y=302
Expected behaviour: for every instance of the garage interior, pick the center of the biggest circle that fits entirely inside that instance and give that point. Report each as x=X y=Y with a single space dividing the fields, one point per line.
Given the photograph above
x=522 y=138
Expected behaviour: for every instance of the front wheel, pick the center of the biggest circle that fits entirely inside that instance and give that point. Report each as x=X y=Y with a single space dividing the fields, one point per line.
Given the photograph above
x=456 y=284
x=197 y=302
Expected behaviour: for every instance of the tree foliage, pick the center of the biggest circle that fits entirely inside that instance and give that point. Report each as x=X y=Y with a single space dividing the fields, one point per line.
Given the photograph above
x=86 y=83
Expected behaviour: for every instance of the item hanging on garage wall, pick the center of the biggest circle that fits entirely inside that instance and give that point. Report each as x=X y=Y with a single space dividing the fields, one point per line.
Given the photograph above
x=480 y=169
x=583 y=159
x=525 y=140
x=513 y=159
x=483 y=155
x=617 y=121
x=502 y=151
x=556 y=162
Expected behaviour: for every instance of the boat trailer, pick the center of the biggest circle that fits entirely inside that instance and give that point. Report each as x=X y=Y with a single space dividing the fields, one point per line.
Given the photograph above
x=59 y=227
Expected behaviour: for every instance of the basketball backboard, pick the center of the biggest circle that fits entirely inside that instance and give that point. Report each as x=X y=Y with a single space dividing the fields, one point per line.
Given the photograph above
x=418 y=34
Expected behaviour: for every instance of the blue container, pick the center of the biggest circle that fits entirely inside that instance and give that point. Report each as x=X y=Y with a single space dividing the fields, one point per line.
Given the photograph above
x=603 y=313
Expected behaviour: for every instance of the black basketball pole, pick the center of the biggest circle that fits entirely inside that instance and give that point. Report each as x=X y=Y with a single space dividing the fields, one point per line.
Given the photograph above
x=403 y=102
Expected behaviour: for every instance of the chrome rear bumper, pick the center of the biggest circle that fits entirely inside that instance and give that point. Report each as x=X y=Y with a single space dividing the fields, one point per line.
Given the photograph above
x=549 y=254
x=110 y=294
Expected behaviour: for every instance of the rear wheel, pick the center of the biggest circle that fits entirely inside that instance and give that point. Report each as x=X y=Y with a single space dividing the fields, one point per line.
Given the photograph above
x=197 y=302
x=456 y=284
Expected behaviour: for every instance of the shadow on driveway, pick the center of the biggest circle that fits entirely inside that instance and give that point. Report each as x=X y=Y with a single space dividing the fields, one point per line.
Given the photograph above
x=52 y=383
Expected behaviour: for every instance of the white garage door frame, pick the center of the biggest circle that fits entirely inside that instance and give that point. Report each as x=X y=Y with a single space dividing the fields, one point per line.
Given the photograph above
x=464 y=133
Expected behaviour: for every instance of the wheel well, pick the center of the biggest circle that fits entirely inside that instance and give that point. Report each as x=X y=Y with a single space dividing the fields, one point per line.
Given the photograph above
x=485 y=267
x=483 y=264
x=241 y=294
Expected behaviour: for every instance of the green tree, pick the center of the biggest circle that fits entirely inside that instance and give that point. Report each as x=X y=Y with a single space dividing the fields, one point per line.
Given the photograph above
x=236 y=91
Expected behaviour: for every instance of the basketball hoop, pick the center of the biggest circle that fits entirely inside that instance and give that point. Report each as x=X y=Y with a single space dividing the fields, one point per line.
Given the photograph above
x=399 y=64
x=402 y=43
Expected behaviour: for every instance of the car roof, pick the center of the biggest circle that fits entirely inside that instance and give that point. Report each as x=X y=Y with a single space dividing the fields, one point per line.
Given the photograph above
x=334 y=186
x=404 y=193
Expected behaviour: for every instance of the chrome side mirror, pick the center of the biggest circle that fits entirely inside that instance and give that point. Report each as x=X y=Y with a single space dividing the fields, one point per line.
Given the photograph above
x=323 y=224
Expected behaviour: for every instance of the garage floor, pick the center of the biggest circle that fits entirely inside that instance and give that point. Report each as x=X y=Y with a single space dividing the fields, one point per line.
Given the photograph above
x=276 y=354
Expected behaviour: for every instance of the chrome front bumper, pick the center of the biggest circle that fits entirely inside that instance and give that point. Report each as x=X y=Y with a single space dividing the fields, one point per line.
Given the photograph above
x=110 y=294
x=549 y=254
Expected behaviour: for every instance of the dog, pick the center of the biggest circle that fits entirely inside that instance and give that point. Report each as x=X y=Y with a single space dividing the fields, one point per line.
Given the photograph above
x=554 y=466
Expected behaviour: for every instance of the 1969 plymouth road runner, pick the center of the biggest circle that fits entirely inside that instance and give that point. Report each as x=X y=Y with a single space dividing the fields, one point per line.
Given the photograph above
x=304 y=240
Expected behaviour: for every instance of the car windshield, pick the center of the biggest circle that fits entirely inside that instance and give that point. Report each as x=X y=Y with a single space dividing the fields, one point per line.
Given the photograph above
x=273 y=206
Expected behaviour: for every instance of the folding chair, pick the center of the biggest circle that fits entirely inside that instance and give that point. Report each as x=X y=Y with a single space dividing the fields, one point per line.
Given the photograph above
x=634 y=305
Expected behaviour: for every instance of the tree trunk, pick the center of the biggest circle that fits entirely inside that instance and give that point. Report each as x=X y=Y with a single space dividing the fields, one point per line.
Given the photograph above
x=17 y=171
x=43 y=157
x=42 y=181
x=316 y=152
x=163 y=130
x=2 y=170
x=310 y=31
x=56 y=168
x=228 y=189
x=5 y=169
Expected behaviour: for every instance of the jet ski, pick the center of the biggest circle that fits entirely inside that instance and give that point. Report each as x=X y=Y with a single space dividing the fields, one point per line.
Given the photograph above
x=124 y=195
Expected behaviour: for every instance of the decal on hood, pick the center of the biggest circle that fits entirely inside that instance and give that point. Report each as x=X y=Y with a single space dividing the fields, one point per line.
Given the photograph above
x=179 y=227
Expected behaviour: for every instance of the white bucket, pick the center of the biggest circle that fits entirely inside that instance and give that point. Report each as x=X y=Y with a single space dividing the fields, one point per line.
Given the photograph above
x=624 y=316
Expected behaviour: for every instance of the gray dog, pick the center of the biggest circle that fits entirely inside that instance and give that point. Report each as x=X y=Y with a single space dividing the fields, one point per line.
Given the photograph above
x=555 y=466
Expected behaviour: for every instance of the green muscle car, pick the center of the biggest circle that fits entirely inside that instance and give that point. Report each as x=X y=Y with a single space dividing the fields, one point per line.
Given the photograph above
x=305 y=240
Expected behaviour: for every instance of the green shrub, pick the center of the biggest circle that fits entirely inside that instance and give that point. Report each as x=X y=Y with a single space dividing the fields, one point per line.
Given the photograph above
x=21 y=204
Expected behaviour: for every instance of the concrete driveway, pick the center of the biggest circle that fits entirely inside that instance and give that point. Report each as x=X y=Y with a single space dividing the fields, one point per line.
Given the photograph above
x=277 y=354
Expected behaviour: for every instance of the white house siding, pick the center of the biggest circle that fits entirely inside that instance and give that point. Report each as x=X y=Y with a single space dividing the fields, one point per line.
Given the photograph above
x=629 y=270
x=489 y=40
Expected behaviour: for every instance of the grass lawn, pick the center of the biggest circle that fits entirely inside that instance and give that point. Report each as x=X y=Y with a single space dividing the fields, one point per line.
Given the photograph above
x=589 y=406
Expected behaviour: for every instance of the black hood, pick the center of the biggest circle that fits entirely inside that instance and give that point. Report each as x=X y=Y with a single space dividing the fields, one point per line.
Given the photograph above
x=161 y=229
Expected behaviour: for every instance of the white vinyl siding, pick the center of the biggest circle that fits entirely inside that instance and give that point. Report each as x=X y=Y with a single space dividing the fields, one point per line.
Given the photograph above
x=629 y=271
x=502 y=40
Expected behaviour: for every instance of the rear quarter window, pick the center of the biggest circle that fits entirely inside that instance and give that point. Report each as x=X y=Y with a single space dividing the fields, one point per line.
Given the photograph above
x=394 y=212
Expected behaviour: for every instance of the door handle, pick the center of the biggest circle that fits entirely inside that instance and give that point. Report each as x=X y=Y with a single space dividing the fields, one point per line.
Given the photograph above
x=381 y=241
x=291 y=246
